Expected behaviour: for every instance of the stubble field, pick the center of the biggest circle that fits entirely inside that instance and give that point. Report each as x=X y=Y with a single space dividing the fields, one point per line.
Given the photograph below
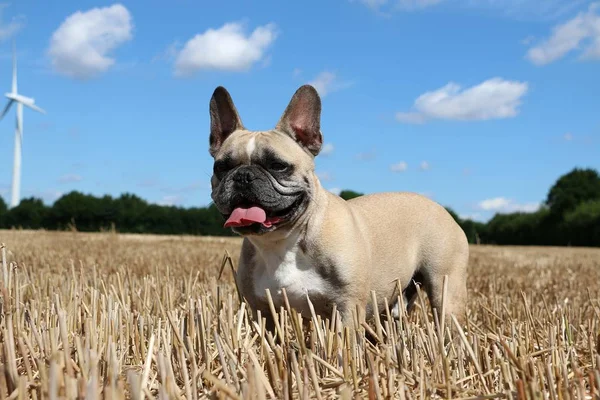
x=123 y=316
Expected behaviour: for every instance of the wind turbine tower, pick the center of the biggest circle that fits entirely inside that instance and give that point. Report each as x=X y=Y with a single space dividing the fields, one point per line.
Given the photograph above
x=15 y=97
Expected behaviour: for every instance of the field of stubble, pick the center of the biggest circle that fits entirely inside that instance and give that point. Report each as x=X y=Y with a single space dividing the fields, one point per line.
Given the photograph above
x=122 y=316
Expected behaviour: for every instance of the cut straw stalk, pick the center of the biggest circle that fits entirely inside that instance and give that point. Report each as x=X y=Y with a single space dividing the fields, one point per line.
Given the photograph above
x=162 y=324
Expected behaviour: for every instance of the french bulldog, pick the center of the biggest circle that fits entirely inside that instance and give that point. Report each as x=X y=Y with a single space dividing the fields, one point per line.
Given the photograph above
x=316 y=245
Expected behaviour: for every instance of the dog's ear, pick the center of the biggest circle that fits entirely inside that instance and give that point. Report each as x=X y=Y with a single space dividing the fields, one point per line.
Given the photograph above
x=224 y=118
x=302 y=119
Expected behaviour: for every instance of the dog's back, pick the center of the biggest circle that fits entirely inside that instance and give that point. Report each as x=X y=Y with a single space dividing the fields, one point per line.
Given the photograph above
x=409 y=233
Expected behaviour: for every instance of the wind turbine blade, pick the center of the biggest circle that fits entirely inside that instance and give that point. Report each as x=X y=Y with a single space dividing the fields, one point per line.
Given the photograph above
x=14 y=80
x=6 y=108
x=34 y=107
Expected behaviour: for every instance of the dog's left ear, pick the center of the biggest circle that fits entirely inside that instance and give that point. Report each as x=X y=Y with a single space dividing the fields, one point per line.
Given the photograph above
x=302 y=119
x=224 y=119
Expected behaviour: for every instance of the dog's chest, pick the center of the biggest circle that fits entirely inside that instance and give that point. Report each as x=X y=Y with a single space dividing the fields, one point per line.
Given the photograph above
x=293 y=271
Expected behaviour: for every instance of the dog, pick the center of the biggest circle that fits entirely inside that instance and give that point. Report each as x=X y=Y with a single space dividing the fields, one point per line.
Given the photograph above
x=316 y=245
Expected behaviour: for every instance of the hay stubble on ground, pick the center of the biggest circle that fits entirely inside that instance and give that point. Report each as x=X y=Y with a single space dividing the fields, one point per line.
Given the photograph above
x=113 y=316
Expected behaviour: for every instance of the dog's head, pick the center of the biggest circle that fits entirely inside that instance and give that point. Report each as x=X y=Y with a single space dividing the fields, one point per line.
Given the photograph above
x=263 y=180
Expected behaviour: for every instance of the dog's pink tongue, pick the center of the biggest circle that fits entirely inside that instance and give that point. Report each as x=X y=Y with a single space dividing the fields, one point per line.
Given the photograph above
x=246 y=216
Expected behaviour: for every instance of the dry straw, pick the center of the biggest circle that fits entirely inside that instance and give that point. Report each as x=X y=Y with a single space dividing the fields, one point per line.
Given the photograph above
x=108 y=316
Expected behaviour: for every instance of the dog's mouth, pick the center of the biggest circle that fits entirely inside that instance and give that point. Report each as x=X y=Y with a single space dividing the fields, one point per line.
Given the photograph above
x=250 y=215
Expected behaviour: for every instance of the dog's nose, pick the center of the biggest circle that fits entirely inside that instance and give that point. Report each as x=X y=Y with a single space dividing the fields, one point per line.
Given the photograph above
x=244 y=175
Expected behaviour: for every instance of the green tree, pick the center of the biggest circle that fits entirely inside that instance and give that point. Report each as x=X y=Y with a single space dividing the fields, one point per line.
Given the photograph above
x=476 y=231
x=31 y=213
x=583 y=224
x=453 y=214
x=571 y=216
x=87 y=212
x=572 y=189
x=206 y=221
x=3 y=211
x=163 y=219
x=215 y=222
x=349 y=194
x=129 y=209
x=519 y=228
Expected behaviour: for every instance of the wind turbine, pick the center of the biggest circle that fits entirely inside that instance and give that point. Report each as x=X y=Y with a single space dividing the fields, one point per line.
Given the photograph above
x=15 y=97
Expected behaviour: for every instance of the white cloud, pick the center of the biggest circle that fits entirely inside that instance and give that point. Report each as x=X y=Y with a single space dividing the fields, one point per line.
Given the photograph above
x=226 y=48
x=527 y=10
x=424 y=166
x=399 y=4
x=528 y=40
x=494 y=204
x=171 y=200
x=335 y=191
x=410 y=117
x=327 y=82
x=325 y=176
x=10 y=29
x=472 y=216
x=374 y=4
x=416 y=4
x=70 y=178
x=503 y=204
x=366 y=155
x=399 y=167
x=582 y=33
x=169 y=53
x=492 y=99
x=527 y=207
x=327 y=149
x=81 y=46
x=514 y=9
x=7 y=31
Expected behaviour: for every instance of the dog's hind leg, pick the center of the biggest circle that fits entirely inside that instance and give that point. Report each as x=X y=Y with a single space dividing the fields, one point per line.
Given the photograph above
x=409 y=293
x=456 y=295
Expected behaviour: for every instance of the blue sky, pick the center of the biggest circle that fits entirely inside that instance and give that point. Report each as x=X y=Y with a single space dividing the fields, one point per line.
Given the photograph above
x=479 y=104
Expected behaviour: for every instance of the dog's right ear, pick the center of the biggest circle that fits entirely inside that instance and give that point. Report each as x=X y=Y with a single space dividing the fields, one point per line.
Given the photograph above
x=224 y=119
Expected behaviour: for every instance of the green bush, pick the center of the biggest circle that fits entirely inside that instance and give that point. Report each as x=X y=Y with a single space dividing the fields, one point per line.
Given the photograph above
x=570 y=216
x=583 y=224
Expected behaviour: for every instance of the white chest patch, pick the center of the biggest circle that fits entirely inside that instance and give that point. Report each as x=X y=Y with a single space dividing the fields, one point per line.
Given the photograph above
x=294 y=272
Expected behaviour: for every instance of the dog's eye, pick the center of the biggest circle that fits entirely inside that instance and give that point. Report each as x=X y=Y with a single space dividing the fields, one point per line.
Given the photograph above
x=278 y=166
x=220 y=168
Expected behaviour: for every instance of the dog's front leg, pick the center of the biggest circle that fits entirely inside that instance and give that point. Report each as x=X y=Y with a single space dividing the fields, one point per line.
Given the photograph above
x=266 y=318
x=352 y=315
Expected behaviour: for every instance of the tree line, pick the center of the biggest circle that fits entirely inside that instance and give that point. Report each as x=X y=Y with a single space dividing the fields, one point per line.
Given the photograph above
x=127 y=213
x=569 y=216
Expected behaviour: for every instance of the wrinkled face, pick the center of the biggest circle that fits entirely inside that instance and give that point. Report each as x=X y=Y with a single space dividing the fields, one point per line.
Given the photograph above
x=261 y=181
